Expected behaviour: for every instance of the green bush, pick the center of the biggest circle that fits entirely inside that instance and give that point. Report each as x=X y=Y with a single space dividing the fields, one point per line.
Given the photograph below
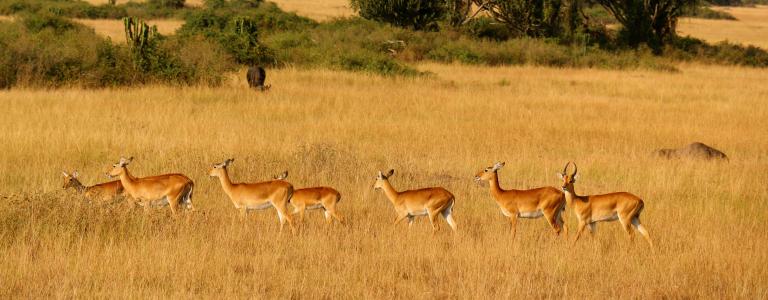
x=236 y=26
x=75 y=9
x=346 y=44
x=49 y=52
x=46 y=20
x=237 y=34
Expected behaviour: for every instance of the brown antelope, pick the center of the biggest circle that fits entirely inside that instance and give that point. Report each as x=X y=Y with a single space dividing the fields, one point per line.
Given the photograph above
x=427 y=201
x=591 y=209
x=103 y=192
x=253 y=196
x=315 y=198
x=530 y=204
x=173 y=190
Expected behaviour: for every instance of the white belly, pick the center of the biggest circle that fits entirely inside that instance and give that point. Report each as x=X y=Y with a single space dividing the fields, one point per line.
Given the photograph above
x=415 y=213
x=314 y=206
x=530 y=214
x=611 y=217
x=259 y=206
x=156 y=203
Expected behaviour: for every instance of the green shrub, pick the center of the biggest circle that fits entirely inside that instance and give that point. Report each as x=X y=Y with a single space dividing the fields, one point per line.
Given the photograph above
x=346 y=44
x=236 y=26
x=75 y=9
x=52 y=54
x=46 y=20
x=237 y=34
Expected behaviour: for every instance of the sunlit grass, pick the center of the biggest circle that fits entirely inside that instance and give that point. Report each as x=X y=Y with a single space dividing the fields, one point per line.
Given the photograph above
x=750 y=28
x=115 y=29
x=338 y=129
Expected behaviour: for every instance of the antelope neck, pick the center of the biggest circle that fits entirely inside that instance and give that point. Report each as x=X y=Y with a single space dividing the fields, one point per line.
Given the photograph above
x=389 y=191
x=79 y=187
x=494 y=182
x=570 y=195
x=127 y=180
x=226 y=183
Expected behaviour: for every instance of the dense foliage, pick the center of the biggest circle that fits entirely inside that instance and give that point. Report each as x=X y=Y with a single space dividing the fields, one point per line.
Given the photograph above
x=650 y=22
x=414 y=14
x=48 y=50
x=534 y=18
x=44 y=48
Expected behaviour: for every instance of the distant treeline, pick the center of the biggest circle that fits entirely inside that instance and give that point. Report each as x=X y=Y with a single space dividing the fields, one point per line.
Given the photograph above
x=43 y=47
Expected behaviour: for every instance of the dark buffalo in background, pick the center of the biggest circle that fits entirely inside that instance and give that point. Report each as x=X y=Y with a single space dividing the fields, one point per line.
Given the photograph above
x=694 y=150
x=256 y=76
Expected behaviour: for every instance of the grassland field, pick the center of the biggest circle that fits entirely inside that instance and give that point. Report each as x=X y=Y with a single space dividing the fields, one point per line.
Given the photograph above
x=334 y=128
x=749 y=28
x=338 y=129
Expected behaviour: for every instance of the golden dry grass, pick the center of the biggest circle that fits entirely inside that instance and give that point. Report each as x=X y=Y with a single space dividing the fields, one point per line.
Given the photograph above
x=750 y=28
x=320 y=10
x=115 y=29
x=337 y=129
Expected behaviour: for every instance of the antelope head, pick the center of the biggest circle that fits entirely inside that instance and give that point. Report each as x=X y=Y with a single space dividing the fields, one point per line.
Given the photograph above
x=381 y=178
x=281 y=176
x=119 y=168
x=569 y=180
x=488 y=173
x=218 y=169
x=70 y=180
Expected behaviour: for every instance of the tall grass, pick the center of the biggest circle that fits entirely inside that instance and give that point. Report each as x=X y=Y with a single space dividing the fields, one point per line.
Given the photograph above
x=338 y=129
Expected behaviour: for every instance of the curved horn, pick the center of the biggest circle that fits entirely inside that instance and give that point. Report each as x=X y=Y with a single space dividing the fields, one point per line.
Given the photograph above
x=575 y=169
x=566 y=167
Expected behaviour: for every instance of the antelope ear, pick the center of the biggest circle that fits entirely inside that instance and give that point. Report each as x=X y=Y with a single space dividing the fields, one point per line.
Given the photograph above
x=561 y=176
x=65 y=173
x=75 y=174
x=380 y=175
x=391 y=171
x=575 y=177
x=130 y=159
x=229 y=161
x=498 y=165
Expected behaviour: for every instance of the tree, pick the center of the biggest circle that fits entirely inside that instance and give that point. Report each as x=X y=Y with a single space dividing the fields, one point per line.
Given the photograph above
x=650 y=22
x=142 y=40
x=458 y=11
x=416 y=14
x=533 y=18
